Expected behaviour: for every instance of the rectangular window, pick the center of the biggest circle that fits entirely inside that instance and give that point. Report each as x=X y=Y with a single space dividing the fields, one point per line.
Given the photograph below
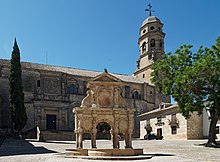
x=38 y=83
x=173 y=130
x=217 y=130
x=127 y=92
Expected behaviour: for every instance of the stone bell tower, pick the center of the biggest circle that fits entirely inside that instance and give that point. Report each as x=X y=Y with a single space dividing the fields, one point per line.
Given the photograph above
x=151 y=43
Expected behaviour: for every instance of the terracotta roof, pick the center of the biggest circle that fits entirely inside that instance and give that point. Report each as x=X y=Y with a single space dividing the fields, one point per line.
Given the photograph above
x=72 y=71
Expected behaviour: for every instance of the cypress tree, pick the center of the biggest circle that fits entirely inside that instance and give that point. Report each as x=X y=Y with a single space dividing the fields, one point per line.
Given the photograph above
x=17 y=108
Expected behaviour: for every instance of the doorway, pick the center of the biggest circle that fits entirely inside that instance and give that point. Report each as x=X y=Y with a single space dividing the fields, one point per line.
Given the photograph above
x=159 y=132
x=51 y=122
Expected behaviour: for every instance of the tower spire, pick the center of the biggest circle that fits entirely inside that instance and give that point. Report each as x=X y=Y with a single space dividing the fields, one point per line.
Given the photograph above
x=149 y=9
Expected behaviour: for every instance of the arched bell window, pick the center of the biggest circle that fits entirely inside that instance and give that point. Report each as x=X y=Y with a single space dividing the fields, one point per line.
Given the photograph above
x=144 y=47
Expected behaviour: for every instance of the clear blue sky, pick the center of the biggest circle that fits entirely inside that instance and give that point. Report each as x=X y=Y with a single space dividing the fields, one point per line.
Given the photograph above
x=98 y=34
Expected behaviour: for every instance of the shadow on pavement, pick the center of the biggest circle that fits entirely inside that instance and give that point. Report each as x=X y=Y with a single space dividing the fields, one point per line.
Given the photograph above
x=211 y=145
x=159 y=155
x=21 y=147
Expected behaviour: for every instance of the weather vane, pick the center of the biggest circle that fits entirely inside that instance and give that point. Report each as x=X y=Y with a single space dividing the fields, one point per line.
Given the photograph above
x=149 y=9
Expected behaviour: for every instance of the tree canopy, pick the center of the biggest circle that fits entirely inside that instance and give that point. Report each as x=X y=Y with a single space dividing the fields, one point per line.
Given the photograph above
x=193 y=79
x=17 y=108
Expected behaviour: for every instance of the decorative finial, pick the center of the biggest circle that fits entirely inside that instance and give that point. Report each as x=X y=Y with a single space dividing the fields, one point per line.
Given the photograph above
x=149 y=9
x=106 y=70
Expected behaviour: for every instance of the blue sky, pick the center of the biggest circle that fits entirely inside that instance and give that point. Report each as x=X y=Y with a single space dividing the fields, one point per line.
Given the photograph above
x=98 y=34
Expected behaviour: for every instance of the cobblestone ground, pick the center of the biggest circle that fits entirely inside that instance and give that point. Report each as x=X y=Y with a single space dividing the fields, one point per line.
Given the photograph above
x=161 y=150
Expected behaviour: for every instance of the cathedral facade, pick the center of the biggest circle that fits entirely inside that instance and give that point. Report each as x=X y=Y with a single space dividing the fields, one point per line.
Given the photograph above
x=52 y=92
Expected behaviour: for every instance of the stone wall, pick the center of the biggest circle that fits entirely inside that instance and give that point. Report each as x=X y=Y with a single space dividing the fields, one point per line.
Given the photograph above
x=195 y=126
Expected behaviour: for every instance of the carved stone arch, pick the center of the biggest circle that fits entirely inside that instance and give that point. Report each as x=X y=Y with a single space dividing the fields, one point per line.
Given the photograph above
x=111 y=123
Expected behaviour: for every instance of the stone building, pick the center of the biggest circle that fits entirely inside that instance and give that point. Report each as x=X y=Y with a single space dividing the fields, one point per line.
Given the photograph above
x=166 y=121
x=51 y=92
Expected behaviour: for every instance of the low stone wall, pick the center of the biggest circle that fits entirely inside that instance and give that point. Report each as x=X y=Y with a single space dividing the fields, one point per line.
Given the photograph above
x=58 y=135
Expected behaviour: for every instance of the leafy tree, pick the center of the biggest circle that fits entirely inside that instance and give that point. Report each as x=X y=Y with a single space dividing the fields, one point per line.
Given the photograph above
x=17 y=108
x=193 y=79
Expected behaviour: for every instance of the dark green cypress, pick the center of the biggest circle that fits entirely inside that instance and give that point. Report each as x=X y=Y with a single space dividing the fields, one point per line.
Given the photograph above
x=17 y=108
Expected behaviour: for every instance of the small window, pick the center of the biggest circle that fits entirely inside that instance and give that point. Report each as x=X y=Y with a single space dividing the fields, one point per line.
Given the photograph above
x=152 y=42
x=72 y=89
x=159 y=119
x=38 y=83
x=151 y=93
x=144 y=31
x=144 y=47
x=173 y=130
x=161 y=43
x=217 y=130
x=127 y=92
x=143 y=75
x=152 y=28
x=159 y=28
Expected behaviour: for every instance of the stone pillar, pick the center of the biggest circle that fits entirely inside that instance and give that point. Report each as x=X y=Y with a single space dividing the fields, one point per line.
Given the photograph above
x=80 y=138
x=126 y=140
x=77 y=140
x=129 y=139
x=93 y=137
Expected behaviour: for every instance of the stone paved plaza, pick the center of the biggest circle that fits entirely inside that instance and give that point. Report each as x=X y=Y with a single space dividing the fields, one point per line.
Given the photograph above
x=53 y=151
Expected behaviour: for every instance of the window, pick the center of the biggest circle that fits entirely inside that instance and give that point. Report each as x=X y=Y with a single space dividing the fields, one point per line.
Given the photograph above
x=127 y=92
x=144 y=31
x=159 y=119
x=72 y=89
x=173 y=130
x=135 y=95
x=144 y=47
x=143 y=75
x=152 y=42
x=217 y=130
x=38 y=83
x=161 y=43
x=152 y=28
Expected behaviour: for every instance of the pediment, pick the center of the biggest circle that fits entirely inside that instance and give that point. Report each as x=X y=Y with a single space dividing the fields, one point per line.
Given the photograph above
x=106 y=77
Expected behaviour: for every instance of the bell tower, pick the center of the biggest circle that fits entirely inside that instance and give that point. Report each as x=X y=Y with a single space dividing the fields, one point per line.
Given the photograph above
x=151 y=46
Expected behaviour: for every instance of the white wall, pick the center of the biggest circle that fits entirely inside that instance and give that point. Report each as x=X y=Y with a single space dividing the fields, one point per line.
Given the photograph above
x=206 y=123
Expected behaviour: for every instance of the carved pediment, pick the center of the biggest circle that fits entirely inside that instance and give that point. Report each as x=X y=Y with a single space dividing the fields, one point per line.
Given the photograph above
x=106 y=77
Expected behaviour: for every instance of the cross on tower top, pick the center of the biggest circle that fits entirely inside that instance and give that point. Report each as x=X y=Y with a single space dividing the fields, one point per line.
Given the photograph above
x=149 y=9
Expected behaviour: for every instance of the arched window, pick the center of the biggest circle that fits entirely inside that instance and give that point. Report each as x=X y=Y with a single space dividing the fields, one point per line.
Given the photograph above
x=152 y=43
x=72 y=89
x=144 y=47
x=135 y=95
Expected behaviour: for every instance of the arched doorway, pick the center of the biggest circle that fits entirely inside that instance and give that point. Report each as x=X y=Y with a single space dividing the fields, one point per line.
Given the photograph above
x=103 y=131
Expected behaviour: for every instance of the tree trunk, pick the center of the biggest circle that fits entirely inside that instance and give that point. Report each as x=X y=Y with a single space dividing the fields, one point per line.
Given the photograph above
x=212 y=130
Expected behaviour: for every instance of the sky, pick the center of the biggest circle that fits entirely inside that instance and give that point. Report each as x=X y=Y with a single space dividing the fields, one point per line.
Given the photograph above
x=98 y=34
